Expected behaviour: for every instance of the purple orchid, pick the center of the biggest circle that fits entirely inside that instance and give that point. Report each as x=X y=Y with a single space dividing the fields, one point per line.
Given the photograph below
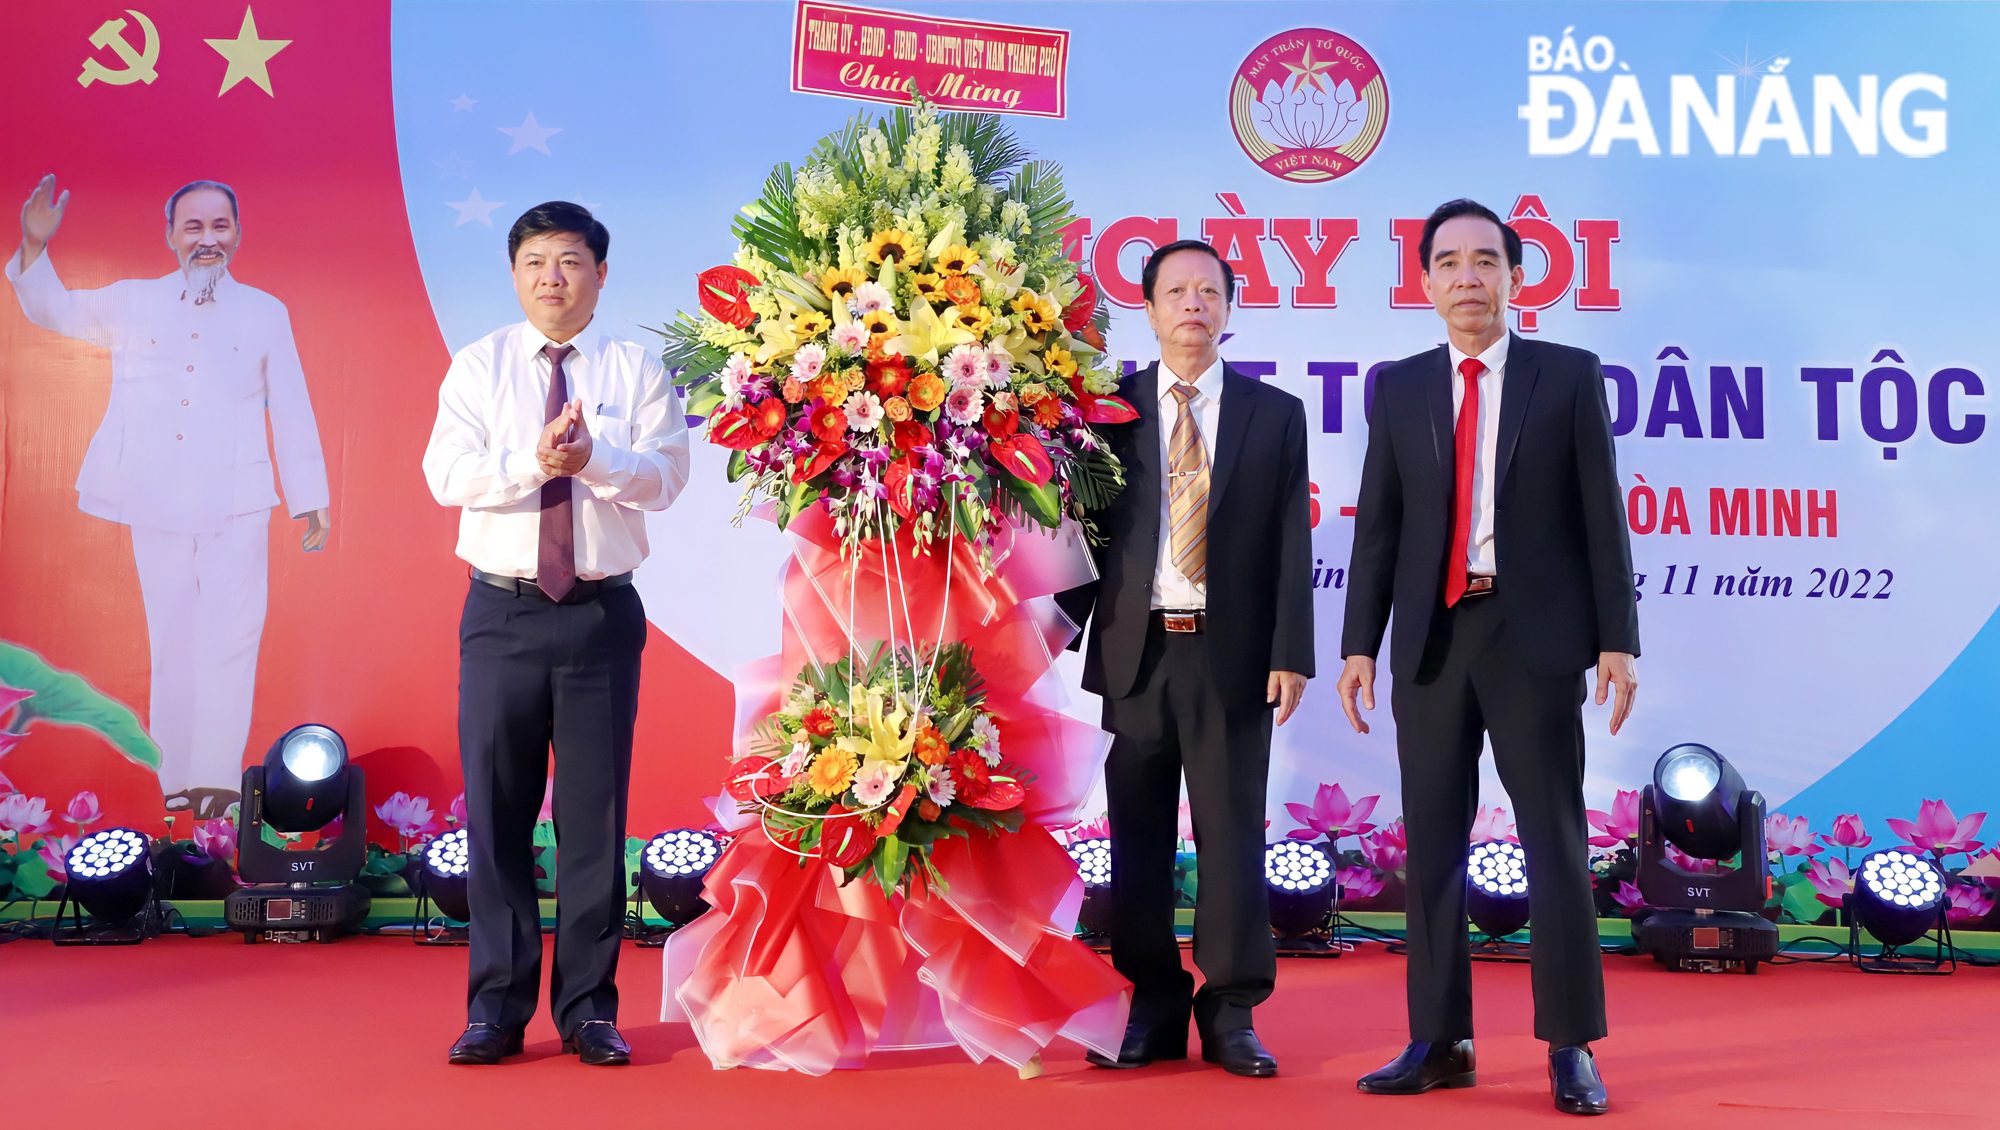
x=1621 y=824
x=1331 y=815
x=1938 y=831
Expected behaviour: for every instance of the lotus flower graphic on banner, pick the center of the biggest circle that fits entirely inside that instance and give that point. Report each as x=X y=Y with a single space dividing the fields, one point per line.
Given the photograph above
x=1309 y=105
x=1308 y=112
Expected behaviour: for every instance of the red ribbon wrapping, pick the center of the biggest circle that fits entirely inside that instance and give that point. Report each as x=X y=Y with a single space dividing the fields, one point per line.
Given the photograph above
x=791 y=970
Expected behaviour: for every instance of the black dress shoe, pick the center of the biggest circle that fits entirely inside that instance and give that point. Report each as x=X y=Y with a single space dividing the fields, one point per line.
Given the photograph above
x=1423 y=1067
x=1240 y=1052
x=485 y=1044
x=1574 y=1083
x=1145 y=1043
x=598 y=1043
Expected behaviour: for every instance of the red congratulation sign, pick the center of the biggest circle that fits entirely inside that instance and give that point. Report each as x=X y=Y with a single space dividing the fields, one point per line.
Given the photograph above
x=957 y=64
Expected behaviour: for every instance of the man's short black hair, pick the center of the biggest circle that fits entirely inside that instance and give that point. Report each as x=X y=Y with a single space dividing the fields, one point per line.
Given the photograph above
x=174 y=200
x=1454 y=208
x=559 y=216
x=1151 y=271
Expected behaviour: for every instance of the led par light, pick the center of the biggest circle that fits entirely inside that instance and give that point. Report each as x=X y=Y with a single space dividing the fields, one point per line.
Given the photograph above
x=1898 y=897
x=1300 y=877
x=1703 y=921
x=1093 y=865
x=447 y=862
x=1496 y=887
x=673 y=871
x=110 y=878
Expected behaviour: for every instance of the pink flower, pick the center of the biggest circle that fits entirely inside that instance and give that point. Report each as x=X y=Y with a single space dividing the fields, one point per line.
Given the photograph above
x=1358 y=883
x=864 y=412
x=54 y=850
x=964 y=405
x=1968 y=904
x=1628 y=896
x=218 y=838
x=807 y=362
x=1492 y=824
x=1789 y=835
x=83 y=810
x=1621 y=824
x=1831 y=880
x=965 y=366
x=457 y=813
x=22 y=814
x=850 y=338
x=548 y=811
x=999 y=365
x=1184 y=822
x=10 y=698
x=1386 y=848
x=410 y=816
x=1099 y=828
x=1938 y=831
x=1690 y=863
x=1847 y=833
x=1332 y=816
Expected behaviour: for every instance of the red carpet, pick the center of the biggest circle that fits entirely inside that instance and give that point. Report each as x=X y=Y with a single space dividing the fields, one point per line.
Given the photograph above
x=164 y=1033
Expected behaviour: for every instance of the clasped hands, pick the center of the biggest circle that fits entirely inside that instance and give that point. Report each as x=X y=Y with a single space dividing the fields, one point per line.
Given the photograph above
x=565 y=445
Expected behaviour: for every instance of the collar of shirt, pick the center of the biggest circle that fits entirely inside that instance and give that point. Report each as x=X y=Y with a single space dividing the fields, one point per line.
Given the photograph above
x=1495 y=357
x=533 y=341
x=1207 y=383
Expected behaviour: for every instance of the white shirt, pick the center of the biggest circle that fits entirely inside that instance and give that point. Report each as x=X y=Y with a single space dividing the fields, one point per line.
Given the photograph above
x=182 y=446
x=1171 y=588
x=1479 y=560
x=490 y=418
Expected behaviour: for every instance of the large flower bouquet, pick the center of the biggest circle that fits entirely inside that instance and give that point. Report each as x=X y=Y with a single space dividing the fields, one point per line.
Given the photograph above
x=901 y=338
x=867 y=764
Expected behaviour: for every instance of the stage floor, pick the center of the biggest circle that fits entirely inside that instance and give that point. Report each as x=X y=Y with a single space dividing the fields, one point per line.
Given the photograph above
x=192 y=1031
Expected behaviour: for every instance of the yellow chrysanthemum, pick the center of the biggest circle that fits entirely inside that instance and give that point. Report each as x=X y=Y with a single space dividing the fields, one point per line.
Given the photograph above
x=840 y=282
x=956 y=260
x=1038 y=314
x=1058 y=361
x=832 y=771
x=896 y=243
x=927 y=285
x=810 y=324
x=975 y=320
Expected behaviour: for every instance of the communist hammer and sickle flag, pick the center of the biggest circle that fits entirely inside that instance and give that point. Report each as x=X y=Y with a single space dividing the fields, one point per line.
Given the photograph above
x=138 y=64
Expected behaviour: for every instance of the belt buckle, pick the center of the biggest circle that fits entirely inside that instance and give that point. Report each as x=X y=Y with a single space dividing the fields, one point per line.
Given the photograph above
x=1181 y=621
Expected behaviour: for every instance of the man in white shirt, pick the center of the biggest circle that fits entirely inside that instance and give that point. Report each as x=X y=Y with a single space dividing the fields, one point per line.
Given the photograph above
x=1201 y=637
x=555 y=438
x=198 y=360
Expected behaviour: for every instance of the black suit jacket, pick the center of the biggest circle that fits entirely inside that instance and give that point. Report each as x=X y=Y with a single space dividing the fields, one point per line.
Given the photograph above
x=1564 y=559
x=1260 y=616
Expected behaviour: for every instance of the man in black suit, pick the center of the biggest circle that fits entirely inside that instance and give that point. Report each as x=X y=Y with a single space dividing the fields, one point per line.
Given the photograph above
x=1489 y=521
x=1203 y=627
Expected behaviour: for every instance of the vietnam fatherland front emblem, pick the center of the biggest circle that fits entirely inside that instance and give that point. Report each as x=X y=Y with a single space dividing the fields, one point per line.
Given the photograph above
x=1309 y=105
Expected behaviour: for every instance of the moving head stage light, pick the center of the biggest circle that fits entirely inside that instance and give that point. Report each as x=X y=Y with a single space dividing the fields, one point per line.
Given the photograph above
x=1302 y=889
x=296 y=896
x=110 y=878
x=1703 y=921
x=1899 y=897
x=1093 y=865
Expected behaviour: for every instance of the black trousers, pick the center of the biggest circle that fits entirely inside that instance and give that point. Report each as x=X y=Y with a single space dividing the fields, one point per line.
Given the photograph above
x=534 y=674
x=1175 y=721
x=1473 y=682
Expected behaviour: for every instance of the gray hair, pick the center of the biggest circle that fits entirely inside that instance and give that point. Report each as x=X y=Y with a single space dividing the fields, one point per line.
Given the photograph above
x=192 y=185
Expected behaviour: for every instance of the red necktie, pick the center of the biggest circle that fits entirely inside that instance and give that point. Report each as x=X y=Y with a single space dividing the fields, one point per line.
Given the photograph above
x=1466 y=441
x=555 y=558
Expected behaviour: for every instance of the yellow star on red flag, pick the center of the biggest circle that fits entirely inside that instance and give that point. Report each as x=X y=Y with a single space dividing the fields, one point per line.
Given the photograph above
x=249 y=57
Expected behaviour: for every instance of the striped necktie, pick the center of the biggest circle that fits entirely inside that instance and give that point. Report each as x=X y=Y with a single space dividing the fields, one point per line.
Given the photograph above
x=1187 y=496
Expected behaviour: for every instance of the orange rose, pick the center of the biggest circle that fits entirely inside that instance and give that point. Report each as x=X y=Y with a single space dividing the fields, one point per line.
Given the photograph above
x=927 y=391
x=930 y=747
x=855 y=380
x=897 y=409
x=794 y=392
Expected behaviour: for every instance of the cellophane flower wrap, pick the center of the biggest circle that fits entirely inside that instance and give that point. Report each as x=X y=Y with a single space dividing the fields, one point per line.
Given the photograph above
x=902 y=340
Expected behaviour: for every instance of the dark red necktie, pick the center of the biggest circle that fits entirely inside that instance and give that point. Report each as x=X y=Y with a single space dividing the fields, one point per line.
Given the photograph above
x=555 y=559
x=1466 y=441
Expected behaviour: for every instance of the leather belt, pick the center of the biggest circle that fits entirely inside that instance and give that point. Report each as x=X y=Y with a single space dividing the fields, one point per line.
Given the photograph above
x=1479 y=586
x=1182 y=620
x=584 y=592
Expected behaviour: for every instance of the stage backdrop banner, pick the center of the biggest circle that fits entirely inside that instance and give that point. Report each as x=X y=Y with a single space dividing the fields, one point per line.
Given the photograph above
x=1753 y=214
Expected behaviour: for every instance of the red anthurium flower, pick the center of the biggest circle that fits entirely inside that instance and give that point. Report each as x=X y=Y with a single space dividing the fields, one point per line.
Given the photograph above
x=912 y=435
x=1077 y=314
x=733 y=430
x=1022 y=456
x=1001 y=424
x=755 y=777
x=823 y=457
x=892 y=818
x=828 y=422
x=1001 y=795
x=768 y=417
x=1101 y=409
x=896 y=477
x=723 y=294
x=843 y=839
x=889 y=378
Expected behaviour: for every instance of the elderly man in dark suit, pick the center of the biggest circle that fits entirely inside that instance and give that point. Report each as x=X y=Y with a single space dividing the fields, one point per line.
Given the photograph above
x=1489 y=522
x=1202 y=636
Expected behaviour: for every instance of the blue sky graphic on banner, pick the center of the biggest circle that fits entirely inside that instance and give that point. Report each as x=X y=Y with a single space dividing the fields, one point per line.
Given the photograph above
x=1754 y=214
